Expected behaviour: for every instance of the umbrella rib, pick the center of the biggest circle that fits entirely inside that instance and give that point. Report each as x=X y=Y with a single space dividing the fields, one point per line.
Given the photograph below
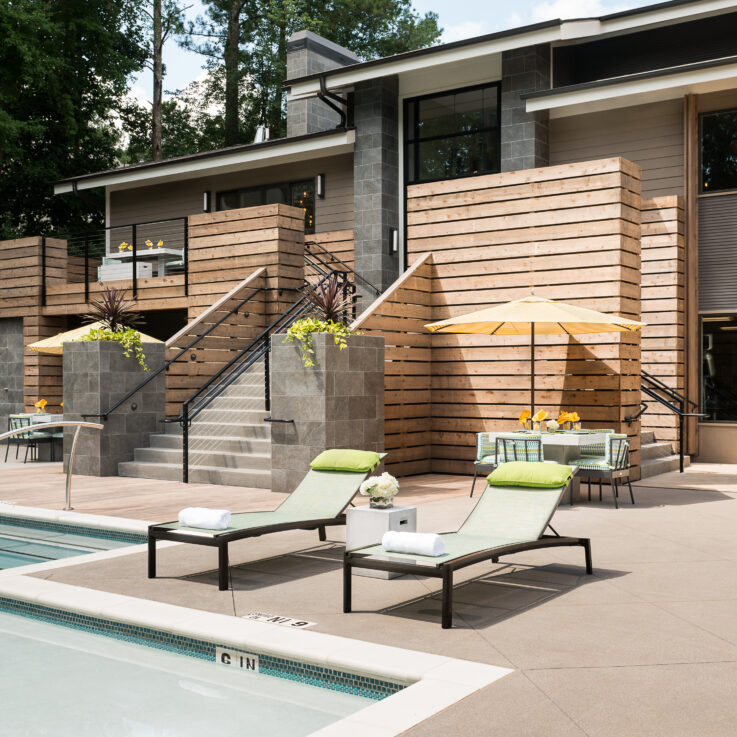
x=563 y=329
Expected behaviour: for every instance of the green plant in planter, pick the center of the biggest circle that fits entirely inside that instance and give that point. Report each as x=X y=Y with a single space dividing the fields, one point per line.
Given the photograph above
x=303 y=330
x=129 y=339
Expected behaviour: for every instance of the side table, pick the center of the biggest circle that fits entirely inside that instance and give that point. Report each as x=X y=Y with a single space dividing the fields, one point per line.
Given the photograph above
x=366 y=526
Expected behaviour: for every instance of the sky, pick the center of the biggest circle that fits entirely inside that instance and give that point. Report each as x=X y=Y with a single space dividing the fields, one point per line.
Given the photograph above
x=458 y=18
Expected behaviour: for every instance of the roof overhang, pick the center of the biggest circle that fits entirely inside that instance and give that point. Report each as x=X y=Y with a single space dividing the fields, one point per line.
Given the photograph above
x=636 y=89
x=223 y=161
x=554 y=32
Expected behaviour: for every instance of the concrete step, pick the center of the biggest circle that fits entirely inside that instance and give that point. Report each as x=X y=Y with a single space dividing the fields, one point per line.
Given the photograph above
x=651 y=451
x=219 y=429
x=258 y=479
x=656 y=466
x=223 y=443
x=201 y=457
x=647 y=437
x=238 y=402
x=232 y=416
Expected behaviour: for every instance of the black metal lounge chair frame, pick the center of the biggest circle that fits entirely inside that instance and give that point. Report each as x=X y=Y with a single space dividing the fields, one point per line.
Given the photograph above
x=445 y=570
x=157 y=532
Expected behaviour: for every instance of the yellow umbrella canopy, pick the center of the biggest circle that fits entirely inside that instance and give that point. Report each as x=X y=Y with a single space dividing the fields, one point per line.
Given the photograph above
x=55 y=344
x=531 y=315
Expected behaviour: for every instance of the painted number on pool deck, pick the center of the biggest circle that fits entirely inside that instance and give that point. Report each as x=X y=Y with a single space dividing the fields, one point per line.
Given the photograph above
x=282 y=621
x=237 y=659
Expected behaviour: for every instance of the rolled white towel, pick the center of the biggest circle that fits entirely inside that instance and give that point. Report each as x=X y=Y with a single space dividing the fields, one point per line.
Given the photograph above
x=204 y=518
x=418 y=543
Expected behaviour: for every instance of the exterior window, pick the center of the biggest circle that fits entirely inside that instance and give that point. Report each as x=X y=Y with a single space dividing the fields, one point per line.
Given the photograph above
x=298 y=194
x=719 y=151
x=454 y=134
x=719 y=367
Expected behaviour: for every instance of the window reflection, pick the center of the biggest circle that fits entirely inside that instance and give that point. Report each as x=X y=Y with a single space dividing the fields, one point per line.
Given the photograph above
x=719 y=367
x=719 y=151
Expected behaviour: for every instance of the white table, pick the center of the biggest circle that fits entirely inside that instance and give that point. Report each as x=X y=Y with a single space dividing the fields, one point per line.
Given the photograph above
x=366 y=526
x=159 y=255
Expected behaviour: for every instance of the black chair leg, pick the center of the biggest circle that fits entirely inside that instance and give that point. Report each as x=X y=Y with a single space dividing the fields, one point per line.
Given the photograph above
x=589 y=480
x=600 y=483
x=475 y=474
x=613 y=482
x=447 y=615
x=223 y=567
x=152 y=557
x=347 y=571
x=632 y=496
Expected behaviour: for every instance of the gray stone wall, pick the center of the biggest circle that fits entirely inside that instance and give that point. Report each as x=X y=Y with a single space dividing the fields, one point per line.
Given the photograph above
x=376 y=180
x=337 y=403
x=11 y=368
x=525 y=136
x=308 y=53
x=96 y=375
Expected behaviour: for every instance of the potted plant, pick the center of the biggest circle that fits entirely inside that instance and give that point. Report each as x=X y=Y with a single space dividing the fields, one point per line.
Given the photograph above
x=331 y=304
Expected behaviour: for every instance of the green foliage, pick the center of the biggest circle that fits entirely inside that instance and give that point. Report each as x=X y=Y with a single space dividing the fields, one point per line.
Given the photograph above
x=64 y=66
x=129 y=339
x=302 y=331
x=114 y=310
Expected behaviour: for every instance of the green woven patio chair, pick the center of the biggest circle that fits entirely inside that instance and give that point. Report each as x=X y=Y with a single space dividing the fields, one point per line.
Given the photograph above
x=596 y=450
x=515 y=447
x=505 y=520
x=613 y=465
x=485 y=455
x=319 y=501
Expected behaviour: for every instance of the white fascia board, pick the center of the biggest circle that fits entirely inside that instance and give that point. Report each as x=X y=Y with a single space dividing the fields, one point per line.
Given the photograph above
x=336 y=79
x=303 y=150
x=636 y=92
x=667 y=16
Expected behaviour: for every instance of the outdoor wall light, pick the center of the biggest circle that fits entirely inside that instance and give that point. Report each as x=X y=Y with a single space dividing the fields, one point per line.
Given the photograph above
x=321 y=186
x=393 y=241
x=207 y=201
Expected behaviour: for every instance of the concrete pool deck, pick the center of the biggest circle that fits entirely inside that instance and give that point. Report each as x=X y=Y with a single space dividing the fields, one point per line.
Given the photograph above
x=646 y=646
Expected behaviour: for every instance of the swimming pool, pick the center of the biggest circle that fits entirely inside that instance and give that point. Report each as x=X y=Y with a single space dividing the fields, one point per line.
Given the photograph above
x=64 y=682
x=26 y=541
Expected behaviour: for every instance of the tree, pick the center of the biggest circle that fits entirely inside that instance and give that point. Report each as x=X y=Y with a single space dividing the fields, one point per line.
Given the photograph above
x=64 y=67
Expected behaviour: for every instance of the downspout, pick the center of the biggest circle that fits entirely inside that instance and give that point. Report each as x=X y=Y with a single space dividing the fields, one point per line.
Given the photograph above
x=327 y=97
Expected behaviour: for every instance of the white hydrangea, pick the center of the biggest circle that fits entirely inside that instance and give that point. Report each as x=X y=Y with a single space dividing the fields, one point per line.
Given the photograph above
x=380 y=487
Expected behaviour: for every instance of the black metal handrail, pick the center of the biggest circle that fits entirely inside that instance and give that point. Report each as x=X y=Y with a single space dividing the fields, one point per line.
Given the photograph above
x=188 y=347
x=321 y=253
x=676 y=403
x=257 y=349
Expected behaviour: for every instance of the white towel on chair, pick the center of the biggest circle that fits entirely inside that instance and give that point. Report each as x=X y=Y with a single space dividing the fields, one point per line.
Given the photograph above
x=204 y=518
x=418 y=543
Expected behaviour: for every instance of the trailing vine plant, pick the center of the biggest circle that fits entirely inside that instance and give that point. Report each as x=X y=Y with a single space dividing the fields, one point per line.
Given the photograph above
x=302 y=331
x=129 y=339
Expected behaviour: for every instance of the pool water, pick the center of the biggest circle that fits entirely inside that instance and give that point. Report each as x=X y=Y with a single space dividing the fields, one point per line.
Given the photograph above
x=61 y=682
x=22 y=545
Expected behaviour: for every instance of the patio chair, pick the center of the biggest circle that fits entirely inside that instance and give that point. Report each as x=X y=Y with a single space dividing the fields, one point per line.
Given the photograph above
x=509 y=517
x=511 y=447
x=596 y=450
x=485 y=455
x=319 y=501
x=15 y=423
x=614 y=465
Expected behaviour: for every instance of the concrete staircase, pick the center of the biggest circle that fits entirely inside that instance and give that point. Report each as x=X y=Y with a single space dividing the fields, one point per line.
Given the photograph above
x=657 y=457
x=229 y=443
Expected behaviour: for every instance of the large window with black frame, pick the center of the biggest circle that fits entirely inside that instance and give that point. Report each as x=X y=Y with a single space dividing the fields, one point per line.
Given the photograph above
x=452 y=134
x=298 y=194
x=719 y=367
x=719 y=151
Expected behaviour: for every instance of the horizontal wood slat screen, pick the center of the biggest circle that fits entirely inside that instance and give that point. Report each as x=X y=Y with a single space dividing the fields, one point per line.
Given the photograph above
x=571 y=232
x=338 y=242
x=400 y=315
x=663 y=306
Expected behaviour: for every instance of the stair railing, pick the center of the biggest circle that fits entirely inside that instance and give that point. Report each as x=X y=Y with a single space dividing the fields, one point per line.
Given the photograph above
x=324 y=261
x=673 y=401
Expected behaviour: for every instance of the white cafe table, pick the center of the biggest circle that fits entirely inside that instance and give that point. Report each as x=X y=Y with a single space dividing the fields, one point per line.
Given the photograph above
x=159 y=255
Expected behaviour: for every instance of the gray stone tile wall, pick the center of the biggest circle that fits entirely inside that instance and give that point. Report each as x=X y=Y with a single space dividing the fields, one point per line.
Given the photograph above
x=525 y=136
x=376 y=180
x=337 y=403
x=11 y=368
x=96 y=375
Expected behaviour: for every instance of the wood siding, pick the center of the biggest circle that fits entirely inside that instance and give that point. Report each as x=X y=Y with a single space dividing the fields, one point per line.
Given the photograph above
x=180 y=199
x=663 y=306
x=648 y=135
x=570 y=232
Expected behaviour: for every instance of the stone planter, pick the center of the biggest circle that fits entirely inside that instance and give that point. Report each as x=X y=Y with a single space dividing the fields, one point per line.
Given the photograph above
x=96 y=375
x=337 y=403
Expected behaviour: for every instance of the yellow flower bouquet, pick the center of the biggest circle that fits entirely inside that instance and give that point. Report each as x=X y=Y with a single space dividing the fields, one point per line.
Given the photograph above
x=537 y=418
x=40 y=405
x=524 y=419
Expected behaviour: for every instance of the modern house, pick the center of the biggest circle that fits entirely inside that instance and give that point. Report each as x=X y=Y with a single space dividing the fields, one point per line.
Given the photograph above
x=379 y=153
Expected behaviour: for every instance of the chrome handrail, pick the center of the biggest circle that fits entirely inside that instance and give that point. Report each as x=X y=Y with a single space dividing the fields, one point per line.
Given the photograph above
x=48 y=425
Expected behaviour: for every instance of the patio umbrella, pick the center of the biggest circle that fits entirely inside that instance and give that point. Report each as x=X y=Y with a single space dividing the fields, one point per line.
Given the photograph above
x=531 y=315
x=55 y=344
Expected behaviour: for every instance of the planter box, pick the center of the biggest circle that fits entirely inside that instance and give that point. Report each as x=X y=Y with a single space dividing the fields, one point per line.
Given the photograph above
x=337 y=403
x=96 y=375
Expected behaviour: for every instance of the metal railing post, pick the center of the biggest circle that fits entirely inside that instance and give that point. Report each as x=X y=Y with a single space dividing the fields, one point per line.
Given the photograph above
x=185 y=443
x=86 y=269
x=186 y=257
x=267 y=385
x=681 y=423
x=134 y=262
x=70 y=465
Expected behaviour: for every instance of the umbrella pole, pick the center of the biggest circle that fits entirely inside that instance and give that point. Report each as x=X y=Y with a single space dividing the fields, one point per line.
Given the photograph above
x=532 y=367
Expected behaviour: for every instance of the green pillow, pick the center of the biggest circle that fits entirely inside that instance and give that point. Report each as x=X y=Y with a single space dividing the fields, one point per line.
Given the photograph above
x=529 y=473
x=343 y=459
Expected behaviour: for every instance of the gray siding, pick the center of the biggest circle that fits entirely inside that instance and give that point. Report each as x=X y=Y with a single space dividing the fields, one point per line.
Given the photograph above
x=718 y=253
x=178 y=199
x=649 y=135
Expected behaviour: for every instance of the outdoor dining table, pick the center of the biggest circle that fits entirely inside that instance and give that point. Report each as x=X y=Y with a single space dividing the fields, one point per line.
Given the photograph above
x=160 y=255
x=39 y=418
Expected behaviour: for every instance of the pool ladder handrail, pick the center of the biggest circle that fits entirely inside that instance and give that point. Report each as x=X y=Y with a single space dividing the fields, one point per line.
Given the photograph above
x=49 y=425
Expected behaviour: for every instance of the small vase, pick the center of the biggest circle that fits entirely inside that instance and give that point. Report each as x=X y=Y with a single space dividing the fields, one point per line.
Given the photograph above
x=381 y=503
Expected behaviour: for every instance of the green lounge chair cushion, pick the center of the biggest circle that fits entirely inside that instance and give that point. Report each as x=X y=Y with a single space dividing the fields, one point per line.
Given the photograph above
x=343 y=459
x=528 y=473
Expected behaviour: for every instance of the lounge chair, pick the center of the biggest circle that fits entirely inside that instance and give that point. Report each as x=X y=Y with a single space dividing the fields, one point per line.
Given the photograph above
x=319 y=501
x=506 y=519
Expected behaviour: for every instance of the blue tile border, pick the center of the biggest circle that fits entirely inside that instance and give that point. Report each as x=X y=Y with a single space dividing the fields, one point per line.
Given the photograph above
x=313 y=675
x=135 y=538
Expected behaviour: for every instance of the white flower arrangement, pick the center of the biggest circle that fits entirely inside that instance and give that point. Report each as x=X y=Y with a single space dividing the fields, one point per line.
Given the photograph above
x=552 y=425
x=380 y=488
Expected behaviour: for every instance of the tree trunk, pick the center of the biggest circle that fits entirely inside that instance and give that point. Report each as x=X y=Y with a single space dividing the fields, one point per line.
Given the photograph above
x=158 y=66
x=231 y=73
